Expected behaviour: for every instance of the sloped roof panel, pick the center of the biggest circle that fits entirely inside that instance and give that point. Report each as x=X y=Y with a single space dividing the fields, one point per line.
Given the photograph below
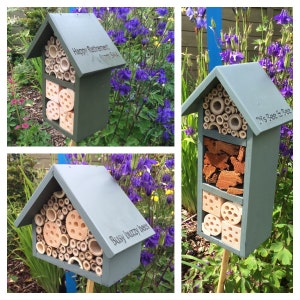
x=252 y=91
x=84 y=40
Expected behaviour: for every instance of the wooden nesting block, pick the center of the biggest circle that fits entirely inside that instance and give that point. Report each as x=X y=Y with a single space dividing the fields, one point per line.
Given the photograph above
x=212 y=203
x=66 y=100
x=76 y=227
x=52 y=90
x=52 y=234
x=212 y=225
x=231 y=235
x=66 y=121
x=231 y=212
x=52 y=110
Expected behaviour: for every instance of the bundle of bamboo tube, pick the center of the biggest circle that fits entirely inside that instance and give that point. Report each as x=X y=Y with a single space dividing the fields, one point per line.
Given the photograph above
x=222 y=114
x=57 y=62
x=61 y=233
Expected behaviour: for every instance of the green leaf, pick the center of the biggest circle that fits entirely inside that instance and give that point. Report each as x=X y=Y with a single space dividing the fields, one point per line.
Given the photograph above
x=285 y=256
x=276 y=247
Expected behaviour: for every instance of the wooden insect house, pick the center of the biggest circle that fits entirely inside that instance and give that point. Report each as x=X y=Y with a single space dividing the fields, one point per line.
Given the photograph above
x=240 y=111
x=77 y=58
x=82 y=221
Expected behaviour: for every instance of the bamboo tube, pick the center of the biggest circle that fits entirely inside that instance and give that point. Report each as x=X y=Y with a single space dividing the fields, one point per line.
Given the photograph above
x=59 y=194
x=220 y=95
x=57 y=60
x=52 y=40
x=94 y=247
x=219 y=120
x=225 y=125
x=229 y=130
x=88 y=255
x=205 y=105
x=54 y=253
x=244 y=127
x=51 y=214
x=70 y=207
x=40 y=238
x=78 y=245
x=49 y=250
x=242 y=134
x=235 y=122
x=86 y=265
x=55 y=206
x=205 y=125
x=206 y=99
x=227 y=101
x=39 y=220
x=47 y=53
x=81 y=256
x=72 y=243
x=60 y=215
x=43 y=212
x=219 y=87
x=207 y=112
x=64 y=210
x=61 y=256
x=93 y=264
x=210 y=96
x=217 y=106
x=67 y=256
x=66 y=201
x=53 y=51
x=212 y=118
x=69 y=250
x=206 y=119
x=90 y=235
x=99 y=260
x=57 y=42
x=38 y=229
x=58 y=222
x=63 y=229
x=61 y=202
x=40 y=247
x=47 y=47
x=83 y=246
x=45 y=206
x=225 y=94
x=214 y=125
x=214 y=92
x=224 y=131
x=75 y=251
x=98 y=270
x=62 y=249
x=72 y=78
x=65 y=64
x=72 y=70
x=64 y=239
x=234 y=133
x=60 y=75
x=224 y=266
x=225 y=117
x=72 y=259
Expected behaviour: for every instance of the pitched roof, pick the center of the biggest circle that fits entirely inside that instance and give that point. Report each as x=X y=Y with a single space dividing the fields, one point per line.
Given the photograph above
x=99 y=200
x=252 y=91
x=84 y=40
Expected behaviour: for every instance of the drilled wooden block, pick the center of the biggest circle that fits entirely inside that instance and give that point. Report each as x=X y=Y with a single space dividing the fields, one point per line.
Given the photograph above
x=231 y=235
x=231 y=212
x=52 y=90
x=76 y=227
x=212 y=203
x=212 y=225
x=52 y=234
x=66 y=121
x=66 y=100
x=52 y=110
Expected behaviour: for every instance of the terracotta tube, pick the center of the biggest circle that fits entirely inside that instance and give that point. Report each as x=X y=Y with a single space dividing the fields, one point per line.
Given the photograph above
x=219 y=120
x=217 y=106
x=242 y=134
x=64 y=239
x=212 y=118
x=72 y=259
x=94 y=247
x=54 y=253
x=205 y=125
x=65 y=64
x=39 y=220
x=81 y=256
x=55 y=206
x=40 y=247
x=75 y=251
x=99 y=261
x=83 y=246
x=51 y=214
x=53 y=51
x=86 y=265
x=206 y=119
x=64 y=210
x=88 y=255
x=205 y=105
x=69 y=250
x=207 y=112
x=72 y=243
x=98 y=270
x=49 y=251
x=67 y=256
x=61 y=256
x=61 y=202
x=235 y=122
x=62 y=249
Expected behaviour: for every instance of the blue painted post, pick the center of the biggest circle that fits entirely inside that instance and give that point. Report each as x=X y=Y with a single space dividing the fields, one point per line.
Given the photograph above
x=70 y=277
x=214 y=49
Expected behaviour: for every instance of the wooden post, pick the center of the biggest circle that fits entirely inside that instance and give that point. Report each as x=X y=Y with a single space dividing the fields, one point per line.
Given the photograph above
x=89 y=286
x=224 y=266
x=72 y=143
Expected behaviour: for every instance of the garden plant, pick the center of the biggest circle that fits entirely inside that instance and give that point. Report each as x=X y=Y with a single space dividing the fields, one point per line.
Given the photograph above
x=148 y=182
x=142 y=92
x=269 y=268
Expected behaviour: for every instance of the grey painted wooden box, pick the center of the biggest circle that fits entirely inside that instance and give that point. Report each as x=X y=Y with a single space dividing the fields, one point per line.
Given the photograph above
x=115 y=224
x=240 y=111
x=78 y=57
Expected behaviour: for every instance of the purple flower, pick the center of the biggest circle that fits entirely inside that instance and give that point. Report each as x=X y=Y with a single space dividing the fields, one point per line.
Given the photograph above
x=231 y=57
x=124 y=74
x=201 y=11
x=189 y=131
x=189 y=13
x=200 y=22
x=283 y=18
x=161 y=26
x=287 y=91
x=146 y=258
x=169 y=163
x=170 y=57
x=162 y=11
x=141 y=75
x=169 y=37
x=165 y=114
x=152 y=241
x=117 y=36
